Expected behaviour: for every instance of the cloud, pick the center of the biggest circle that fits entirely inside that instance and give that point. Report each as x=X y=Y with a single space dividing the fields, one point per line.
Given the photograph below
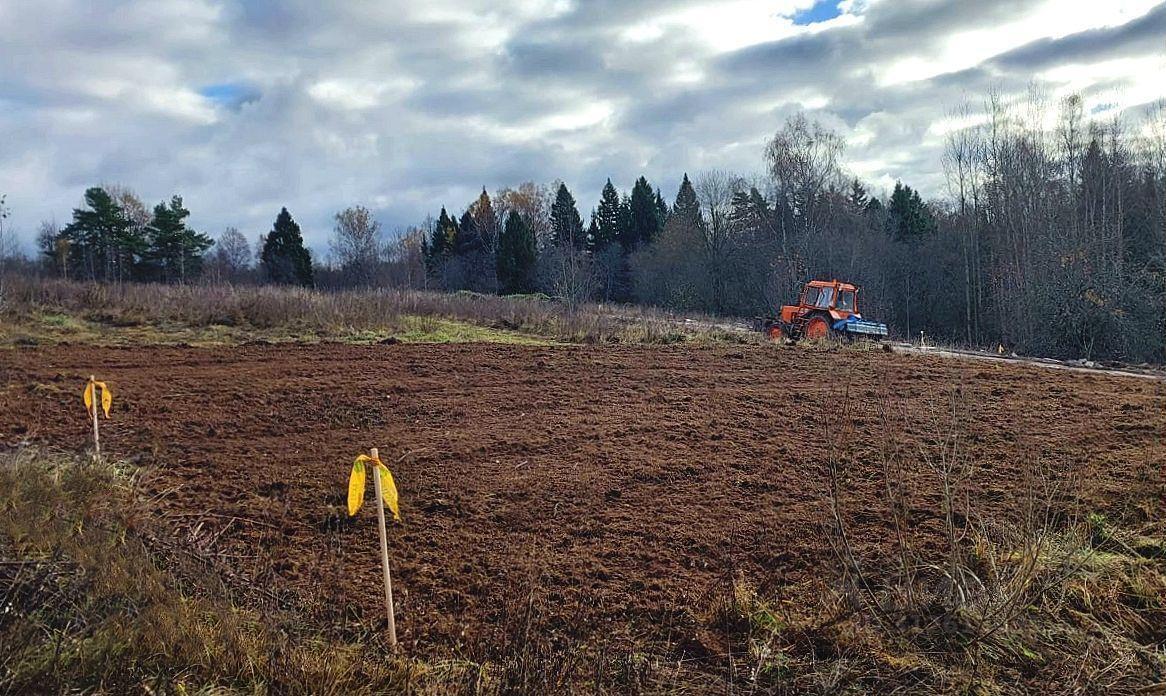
x=1145 y=35
x=245 y=106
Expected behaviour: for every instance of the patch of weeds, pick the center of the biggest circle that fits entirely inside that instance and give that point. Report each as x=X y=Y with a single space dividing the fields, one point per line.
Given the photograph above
x=422 y=329
x=54 y=320
x=1099 y=531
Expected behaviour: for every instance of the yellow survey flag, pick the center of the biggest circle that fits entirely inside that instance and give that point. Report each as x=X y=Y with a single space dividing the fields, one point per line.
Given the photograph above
x=356 y=485
x=388 y=490
x=106 y=396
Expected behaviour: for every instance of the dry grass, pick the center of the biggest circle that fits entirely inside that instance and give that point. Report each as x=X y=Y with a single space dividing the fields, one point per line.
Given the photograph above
x=39 y=310
x=1039 y=596
x=1093 y=622
x=84 y=605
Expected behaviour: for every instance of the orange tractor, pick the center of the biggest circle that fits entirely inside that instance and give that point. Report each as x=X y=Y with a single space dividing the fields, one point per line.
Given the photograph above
x=825 y=309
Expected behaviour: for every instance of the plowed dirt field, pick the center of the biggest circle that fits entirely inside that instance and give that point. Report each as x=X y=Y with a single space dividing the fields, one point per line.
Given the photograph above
x=619 y=484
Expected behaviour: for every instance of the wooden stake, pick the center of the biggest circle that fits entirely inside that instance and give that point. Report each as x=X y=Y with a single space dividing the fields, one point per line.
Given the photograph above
x=96 y=437
x=376 y=477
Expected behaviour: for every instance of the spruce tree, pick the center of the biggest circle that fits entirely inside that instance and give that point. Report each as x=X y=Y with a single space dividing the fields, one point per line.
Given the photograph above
x=925 y=223
x=750 y=213
x=661 y=210
x=909 y=217
x=900 y=209
x=566 y=225
x=858 y=197
x=644 y=217
x=623 y=232
x=468 y=239
x=442 y=241
x=516 y=257
x=687 y=208
x=175 y=251
x=741 y=212
x=476 y=261
x=759 y=202
x=284 y=258
x=607 y=220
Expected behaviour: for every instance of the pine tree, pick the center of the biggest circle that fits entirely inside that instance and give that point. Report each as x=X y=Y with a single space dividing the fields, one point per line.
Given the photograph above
x=175 y=251
x=687 y=208
x=284 y=258
x=102 y=242
x=566 y=225
x=644 y=218
x=661 y=210
x=607 y=220
x=516 y=257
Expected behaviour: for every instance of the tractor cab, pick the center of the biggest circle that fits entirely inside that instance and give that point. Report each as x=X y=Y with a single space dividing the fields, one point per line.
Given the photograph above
x=837 y=298
x=825 y=308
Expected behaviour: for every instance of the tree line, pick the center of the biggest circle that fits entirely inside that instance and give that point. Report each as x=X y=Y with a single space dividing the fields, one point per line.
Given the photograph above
x=113 y=236
x=1050 y=241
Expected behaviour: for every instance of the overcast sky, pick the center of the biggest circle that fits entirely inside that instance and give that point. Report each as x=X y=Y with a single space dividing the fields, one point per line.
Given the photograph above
x=244 y=106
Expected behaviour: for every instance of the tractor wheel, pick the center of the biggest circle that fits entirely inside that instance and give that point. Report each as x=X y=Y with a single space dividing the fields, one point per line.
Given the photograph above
x=775 y=333
x=818 y=327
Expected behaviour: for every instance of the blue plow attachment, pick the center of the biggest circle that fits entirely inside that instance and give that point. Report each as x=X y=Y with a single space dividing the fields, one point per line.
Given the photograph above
x=861 y=327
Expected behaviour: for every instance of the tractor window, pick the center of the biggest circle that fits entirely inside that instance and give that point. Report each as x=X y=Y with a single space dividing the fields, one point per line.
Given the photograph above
x=825 y=299
x=846 y=301
x=811 y=297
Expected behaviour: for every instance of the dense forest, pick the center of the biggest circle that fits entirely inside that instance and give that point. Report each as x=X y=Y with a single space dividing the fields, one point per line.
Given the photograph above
x=1051 y=239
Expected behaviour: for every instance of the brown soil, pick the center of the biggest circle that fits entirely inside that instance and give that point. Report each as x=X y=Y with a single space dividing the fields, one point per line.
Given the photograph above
x=620 y=484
